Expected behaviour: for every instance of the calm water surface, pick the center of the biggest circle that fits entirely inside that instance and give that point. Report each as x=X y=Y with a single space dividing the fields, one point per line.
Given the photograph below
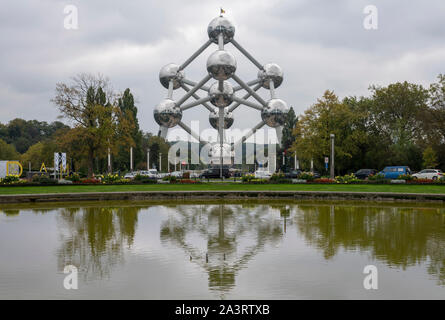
x=204 y=250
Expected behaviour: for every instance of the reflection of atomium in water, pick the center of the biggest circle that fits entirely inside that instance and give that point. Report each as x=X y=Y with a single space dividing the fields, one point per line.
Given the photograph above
x=221 y=99
x=222 y=239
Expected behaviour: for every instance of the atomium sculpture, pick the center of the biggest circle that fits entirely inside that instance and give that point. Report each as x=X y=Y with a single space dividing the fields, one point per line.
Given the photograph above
x=221 y=66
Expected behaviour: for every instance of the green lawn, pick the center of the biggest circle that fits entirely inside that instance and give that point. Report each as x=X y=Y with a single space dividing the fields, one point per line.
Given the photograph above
x=225 y=186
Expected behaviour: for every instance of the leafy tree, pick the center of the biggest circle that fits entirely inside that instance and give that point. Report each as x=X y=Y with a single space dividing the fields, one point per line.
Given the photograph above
x=328 y=116
x=429 y=158
x=158 y=145
x=8 y=152
x=22 y=133
x=99 y=125
x=287 y=139
x=41 y=152
x=129 y=112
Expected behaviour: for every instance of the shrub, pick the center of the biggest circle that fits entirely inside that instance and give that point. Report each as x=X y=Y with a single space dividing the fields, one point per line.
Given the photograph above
x=376 y=177
x=147 y=180
x=43 y=179
x=424 y=181
x=11 y=179
x=279 y=178
x=89 y=181
x=188 y=181
x=172 y=179
x=347 y=179
x=186 y=175
x=75 y=178
x=308 y=176
x=406 y=177
x=247 y=178
x=110 y=178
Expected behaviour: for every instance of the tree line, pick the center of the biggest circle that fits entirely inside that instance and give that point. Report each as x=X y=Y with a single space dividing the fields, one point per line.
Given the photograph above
x=398 y=124
x=101 y=122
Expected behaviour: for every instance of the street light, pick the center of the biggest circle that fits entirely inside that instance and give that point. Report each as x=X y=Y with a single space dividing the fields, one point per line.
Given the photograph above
x=160 y=162
x=332 y=156
x=148 y=159
x=131 y=159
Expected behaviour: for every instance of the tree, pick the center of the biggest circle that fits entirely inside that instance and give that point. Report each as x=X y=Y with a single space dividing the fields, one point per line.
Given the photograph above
x=158 y=145
x=429 y=158
x=41 y=152
x=288 y=129
x=129 y=112
x=23 y=134
x=88 y=102
x=8 y=152
x=288 y=137
x=328 y=116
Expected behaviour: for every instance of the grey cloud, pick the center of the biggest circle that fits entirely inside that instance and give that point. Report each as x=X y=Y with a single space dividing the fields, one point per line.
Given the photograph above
x=319 y=44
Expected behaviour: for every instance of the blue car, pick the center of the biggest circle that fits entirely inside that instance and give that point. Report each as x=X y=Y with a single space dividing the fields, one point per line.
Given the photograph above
x=395 y=171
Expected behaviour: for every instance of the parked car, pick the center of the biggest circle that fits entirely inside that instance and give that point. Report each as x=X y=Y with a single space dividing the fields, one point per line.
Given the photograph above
x=393 y=172
x=433 y=174
x=293 y=174
x=365 y=173
x=262 y=174
x=130 y=175
x=214 y=173
x=176 y=174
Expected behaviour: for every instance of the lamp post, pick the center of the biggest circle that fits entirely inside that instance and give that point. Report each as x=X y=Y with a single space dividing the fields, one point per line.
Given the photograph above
x=332 y=155
x=148 y=159
x=131 y=159
x=160 y=162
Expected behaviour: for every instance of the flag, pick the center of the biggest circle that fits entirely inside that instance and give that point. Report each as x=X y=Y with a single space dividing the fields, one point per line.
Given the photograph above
x=222 y=11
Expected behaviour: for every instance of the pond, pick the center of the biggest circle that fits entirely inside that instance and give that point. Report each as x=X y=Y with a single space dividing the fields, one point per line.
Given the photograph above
x=214 y=250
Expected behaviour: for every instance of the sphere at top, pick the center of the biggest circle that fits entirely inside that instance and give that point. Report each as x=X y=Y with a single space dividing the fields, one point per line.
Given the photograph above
x=214 y=119
x=171 y=72
x=271 y=71
x=274 y=115
x=167 y=113
x=221 y=98
x=220 y=25
x=221 y=65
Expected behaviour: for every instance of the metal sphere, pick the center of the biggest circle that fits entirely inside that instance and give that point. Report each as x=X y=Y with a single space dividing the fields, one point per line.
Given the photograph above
x=220 y=25
x=274 y=115
x=167 y=114
x=271 y=71
x=215 y=150
x=221 y=98
x=214 y=119
x=171 y=72
x=221 y=65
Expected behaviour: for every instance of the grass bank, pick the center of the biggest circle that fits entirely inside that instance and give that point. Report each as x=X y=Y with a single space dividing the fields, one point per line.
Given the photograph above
x=436 y=189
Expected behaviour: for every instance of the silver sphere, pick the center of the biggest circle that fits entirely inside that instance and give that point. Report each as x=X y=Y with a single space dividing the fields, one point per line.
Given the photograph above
x=274 y=115
x=215 y=151
x=214 y=119
x=171 y=72
x=167 y=114
x=221 y=25
x=221 y=65
x=221 y=98
x=273 y=72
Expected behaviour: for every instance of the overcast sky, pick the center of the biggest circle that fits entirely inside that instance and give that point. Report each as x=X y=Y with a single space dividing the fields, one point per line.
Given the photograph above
x=320 y=45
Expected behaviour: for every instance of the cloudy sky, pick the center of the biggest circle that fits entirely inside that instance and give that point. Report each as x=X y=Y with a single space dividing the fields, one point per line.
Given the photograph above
x=319 y=44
